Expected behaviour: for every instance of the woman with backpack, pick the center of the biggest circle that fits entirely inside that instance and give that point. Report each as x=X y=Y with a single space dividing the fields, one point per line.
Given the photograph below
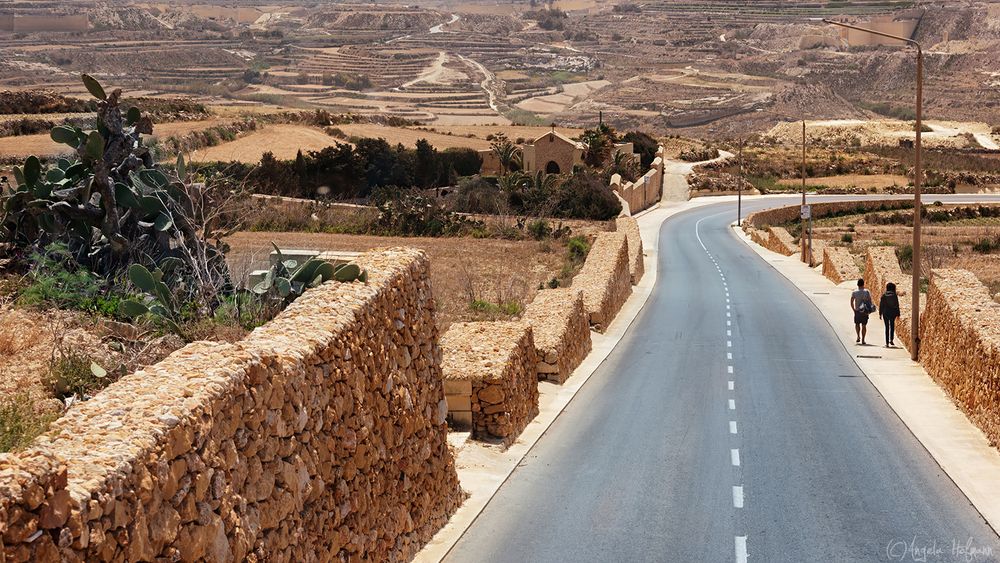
x=861 y=303
x=888 y=311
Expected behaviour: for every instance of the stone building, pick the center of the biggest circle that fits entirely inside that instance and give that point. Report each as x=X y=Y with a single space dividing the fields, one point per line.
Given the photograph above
x=553 y=153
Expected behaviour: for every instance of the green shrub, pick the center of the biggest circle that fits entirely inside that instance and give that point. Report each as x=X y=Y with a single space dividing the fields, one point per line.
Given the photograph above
x=510 y=308
x=57 y=280
x=539 y=229
x=987 y=245
x=75 y=373
x=905 y=255
x=20 y=421
x=578 y=247
x=848 y=238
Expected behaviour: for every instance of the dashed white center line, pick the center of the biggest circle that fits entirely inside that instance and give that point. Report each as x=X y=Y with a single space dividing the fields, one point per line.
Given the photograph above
x=738 y=496
x=729 y=344
x=741 y=549
x=732 y=404
x=732 y=385
x=729 y=355
x=729 y=369
x=732 y=427
x=734 y=457
x=729 y=333
x=729 y=323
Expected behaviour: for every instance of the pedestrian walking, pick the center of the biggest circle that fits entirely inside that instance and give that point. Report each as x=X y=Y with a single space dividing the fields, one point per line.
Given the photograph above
x=888 y=311
x=861 y=304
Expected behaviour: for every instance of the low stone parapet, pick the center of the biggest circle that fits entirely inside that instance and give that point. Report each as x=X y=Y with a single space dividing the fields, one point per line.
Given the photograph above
x=781 y=241
x=561 y=330
x=791 y=213
x=321 y=436
x=839 y=264
x=960 y=346
x=605 y=279
x=495 y=364
x=630 y=227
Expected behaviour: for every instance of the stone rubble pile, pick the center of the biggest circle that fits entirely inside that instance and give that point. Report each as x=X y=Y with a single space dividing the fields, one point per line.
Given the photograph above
x=960 y=345
x=493 y=366
x=321 y=436
x=839 y=265
x=561 y=328
x=605 y=279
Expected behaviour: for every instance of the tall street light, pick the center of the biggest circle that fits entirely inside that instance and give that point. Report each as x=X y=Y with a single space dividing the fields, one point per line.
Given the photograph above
x=917 y=179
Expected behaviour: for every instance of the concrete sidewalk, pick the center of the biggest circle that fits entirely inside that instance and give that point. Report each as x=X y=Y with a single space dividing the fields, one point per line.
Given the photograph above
x=958 y=446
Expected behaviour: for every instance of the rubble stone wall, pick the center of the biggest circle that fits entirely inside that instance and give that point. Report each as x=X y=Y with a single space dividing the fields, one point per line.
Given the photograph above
x=497 y=364
x=960 y=346
x=781 y=241
x=630 y=227
x=645 y=191
x=561 y=330
x=321 y=436
x=789 y=214
x=605 y=279
x=839 y=265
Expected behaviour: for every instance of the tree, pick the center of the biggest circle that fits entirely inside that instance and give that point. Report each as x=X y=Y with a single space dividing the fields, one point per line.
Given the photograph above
x=426 y=170
x=507 y=153
x=643 y=144
x=600 y=142
x=624 y=165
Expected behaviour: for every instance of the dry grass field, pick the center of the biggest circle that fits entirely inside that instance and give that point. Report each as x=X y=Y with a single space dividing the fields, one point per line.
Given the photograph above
x=873 y=181
x=282 y=140
x=409 y=136
x=498 y=271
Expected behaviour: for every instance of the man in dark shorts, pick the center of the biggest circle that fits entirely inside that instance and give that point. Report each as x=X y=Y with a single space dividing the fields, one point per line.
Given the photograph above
x=861 y=304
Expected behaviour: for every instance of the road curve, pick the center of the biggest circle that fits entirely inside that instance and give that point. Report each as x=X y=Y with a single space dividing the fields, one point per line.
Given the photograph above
x=727 y=431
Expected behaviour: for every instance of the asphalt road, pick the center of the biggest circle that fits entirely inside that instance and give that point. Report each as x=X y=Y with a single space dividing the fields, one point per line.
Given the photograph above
x=664 y=455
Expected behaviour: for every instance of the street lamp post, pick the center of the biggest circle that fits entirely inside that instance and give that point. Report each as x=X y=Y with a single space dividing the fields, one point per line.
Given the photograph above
x=739 y=189
x=917 y=180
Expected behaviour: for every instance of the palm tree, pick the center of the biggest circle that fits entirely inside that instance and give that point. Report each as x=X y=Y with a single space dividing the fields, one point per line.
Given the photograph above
x=624 y=165
x=507 y=153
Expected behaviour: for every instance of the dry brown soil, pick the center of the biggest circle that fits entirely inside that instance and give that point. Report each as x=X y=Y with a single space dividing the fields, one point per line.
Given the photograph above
x=493 y=270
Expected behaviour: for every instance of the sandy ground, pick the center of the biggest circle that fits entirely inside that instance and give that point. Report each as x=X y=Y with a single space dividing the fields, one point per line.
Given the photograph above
x=512 y=131
x=282 y=140
x=409 y=137
x=555 y=103
x=497 y=270
x=885 y=132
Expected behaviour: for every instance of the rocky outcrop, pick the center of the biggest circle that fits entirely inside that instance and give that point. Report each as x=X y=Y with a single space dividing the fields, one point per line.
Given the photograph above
x=561 y=329
x=605 y=279
x=321 y=436
x=492 y=366
x=960 y=346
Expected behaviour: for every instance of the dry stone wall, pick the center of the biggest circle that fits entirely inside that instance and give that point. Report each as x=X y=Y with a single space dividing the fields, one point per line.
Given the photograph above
x=496 y=364
x=319 y=437
x=839 y=265
x=605 y=279
x=630 y=227
x=561 y=329
x=781 y=241
x=960 y=346
x=789 y=214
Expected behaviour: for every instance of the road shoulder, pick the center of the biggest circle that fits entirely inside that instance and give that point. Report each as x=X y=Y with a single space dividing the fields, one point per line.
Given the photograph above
x=958 y=446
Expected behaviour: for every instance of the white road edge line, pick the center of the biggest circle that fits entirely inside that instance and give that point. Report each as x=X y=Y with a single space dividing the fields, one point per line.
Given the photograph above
x=737 y=496
x=741 y=549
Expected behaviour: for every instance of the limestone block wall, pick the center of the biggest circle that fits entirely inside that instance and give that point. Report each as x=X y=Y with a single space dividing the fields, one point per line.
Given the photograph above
x=321 y=436
x=605 y=279
x=630 y=227
x=839 y=265
x=818 y=246
x=645 y=191
x=960 y=346
x=781 y=241
x=496 y=364
x=561 y=329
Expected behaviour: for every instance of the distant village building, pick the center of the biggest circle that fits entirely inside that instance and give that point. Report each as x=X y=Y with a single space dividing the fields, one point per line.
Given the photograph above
x=553 y=153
